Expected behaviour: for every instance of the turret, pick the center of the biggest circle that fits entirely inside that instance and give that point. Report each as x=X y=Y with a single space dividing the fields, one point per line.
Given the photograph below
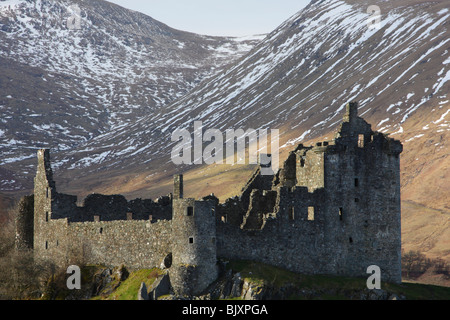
x=194 y=265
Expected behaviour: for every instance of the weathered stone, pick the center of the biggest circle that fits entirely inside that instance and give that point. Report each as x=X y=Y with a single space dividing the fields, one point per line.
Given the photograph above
x=142 y=294
x=160 y=287
x=236 y=286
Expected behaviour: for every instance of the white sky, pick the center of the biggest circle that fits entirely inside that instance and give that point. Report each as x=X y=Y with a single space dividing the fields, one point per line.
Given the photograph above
x=218 y=18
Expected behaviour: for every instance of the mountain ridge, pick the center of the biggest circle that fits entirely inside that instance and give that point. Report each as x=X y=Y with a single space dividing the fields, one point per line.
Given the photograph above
x=63 y=86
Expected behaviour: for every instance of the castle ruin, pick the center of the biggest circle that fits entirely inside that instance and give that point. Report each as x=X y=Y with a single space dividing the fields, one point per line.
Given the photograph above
x=334 y=208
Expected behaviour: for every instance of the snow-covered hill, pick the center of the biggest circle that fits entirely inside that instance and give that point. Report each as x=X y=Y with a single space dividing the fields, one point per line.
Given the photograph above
x=300 y=77
x=71 y=70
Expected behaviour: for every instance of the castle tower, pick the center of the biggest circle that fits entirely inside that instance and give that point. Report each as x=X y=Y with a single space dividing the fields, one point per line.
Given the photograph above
x=362 y=180
x=194 y=265
x=353 y=197
x=44 y=191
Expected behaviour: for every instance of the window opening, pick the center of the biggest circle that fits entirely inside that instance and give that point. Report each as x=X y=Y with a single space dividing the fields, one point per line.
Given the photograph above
x=291 y=213
x=361 y=141
x=310 y=213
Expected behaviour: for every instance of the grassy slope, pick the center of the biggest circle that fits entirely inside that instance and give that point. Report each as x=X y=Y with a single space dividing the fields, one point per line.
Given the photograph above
x=128 y=289
x=324 y=287
x=339 y=287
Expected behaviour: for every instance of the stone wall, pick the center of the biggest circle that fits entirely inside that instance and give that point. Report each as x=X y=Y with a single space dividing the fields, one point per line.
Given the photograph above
x=334 y=208
x=136 y=244
x=339 y=215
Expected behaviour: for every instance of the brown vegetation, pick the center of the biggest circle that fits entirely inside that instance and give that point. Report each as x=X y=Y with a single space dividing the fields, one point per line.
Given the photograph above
x=21 y=277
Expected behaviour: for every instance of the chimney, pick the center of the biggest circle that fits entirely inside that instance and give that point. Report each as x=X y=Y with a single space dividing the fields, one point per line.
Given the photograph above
x=178 y=186
x=351 y=111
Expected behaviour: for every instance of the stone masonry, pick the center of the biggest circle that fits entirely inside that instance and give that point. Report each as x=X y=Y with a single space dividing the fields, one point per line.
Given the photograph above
x=333 y=208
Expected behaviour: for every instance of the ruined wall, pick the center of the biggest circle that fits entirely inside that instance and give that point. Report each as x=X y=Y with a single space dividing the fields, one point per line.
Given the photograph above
x=106 y=230
x=136 y=244
x=310 y=167
x=342 y=216
x=291 y=240
x=333 y=209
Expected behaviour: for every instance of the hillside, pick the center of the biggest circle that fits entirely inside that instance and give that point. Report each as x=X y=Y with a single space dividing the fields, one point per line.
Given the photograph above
x=61 y=86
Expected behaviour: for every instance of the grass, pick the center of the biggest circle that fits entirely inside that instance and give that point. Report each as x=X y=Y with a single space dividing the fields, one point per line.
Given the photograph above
x=330 y=287
x=128 y=289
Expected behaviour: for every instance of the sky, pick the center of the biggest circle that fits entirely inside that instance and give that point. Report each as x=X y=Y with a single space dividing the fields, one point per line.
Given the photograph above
x=218 y=18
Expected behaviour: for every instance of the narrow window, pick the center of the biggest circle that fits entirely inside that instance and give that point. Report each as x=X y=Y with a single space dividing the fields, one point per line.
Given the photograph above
x=341 y=213
x=291 y=213
x=46 y=192
x=356 y=200
x=361 y=141
x=350 y=240
x=191 y=240
x=224 y=218
x=190 y=211
x=302 y=162
x=101 y=231
x=57 y=242
x=356 y=182
x=46 y=216
x=310 y=213
x=46 y=245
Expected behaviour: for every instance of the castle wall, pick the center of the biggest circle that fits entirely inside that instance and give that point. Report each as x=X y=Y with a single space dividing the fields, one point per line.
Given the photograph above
x=332 y=209
x=342 y=216
x=310 y=168
x=136 y=244
x=294 y=239
x=51 y=243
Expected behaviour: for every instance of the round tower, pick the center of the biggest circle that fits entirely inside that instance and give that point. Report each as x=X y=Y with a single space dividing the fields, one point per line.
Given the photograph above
x=194 y=264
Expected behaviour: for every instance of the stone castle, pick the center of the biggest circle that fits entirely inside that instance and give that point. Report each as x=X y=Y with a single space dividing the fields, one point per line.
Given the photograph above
x=334 y=208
